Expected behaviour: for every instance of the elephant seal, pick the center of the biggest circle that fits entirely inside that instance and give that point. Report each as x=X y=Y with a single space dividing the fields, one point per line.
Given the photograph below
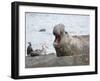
x=65 y=44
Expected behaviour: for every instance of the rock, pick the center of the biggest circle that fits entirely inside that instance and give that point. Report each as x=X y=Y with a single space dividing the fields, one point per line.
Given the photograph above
x=42 y=30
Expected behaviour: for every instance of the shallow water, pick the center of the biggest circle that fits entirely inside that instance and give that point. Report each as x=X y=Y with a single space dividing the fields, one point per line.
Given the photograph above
x=74 y=24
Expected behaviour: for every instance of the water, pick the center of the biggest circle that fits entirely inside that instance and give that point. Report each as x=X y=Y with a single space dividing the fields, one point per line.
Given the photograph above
x=74 y=24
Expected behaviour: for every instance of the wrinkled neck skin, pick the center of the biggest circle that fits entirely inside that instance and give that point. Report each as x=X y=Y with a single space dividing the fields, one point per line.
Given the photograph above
x=62 y=35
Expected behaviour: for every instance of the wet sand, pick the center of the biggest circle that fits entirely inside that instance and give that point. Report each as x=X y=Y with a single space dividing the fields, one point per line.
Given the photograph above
x=51 y=60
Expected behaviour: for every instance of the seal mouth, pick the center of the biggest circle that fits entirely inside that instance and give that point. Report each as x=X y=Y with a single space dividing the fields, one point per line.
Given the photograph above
x=57 y=38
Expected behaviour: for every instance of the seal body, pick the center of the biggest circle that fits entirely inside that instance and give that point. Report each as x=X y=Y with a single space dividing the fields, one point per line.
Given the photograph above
x=65 y=44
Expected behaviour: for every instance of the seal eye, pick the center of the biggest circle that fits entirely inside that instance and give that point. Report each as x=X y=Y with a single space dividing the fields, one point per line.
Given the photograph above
x=54 y=33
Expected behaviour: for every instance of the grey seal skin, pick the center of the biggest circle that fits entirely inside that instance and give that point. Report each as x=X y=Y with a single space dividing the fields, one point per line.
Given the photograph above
x=65 y=44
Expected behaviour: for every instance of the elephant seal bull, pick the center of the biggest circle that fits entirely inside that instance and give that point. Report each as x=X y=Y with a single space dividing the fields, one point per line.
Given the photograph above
x=65 y=44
